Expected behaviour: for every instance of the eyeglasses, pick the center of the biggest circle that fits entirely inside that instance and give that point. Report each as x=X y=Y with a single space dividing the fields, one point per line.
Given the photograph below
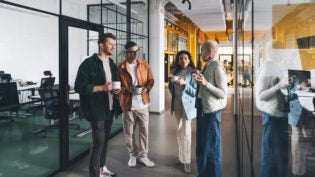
x=132 y=52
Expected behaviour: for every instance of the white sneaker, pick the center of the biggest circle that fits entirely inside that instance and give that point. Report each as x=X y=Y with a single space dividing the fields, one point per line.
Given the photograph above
x=132 y=161
x=147 y=162
x=106 y=172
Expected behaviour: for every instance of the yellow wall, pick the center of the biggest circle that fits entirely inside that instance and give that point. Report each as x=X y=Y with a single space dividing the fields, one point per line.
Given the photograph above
x=300 y=22
x=192 y=37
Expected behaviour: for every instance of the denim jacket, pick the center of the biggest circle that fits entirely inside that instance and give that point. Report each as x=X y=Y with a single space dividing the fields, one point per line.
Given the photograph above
x=188 y=95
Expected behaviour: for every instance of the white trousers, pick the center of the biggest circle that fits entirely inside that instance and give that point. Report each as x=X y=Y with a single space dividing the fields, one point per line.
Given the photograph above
x=183 y=133
x=300 y=144
x=184 y=139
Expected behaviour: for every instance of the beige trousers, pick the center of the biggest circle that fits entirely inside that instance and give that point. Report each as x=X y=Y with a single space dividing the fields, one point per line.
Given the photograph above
x=300 y=146
x=130 y=121
x=183 y=132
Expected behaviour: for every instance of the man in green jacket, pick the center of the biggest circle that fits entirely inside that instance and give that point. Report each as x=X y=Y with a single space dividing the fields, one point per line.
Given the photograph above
x=99 y=101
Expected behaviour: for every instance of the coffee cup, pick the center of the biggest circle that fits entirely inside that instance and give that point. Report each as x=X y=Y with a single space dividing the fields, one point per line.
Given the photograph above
x=138 y=89
x=174 y=78
x=195 y=76
x=116 y=85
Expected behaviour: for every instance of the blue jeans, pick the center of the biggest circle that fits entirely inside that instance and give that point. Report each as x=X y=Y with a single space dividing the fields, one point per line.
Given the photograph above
x=275 y=144
x=246 y=77
x=208 y=143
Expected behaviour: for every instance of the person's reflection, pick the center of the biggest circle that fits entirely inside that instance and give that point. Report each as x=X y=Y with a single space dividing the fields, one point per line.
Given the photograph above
x=302 y=124
x=269 y=100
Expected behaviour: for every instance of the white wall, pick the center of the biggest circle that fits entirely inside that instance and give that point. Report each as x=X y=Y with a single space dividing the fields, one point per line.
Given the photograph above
x=28 y=43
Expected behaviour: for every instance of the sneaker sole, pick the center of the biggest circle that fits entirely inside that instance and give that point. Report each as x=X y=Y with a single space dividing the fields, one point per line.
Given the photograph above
x=130 y=166
x=146 y=165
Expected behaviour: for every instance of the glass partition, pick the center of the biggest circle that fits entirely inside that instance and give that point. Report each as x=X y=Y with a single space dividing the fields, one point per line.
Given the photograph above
x=80 y=136
x=78 y=9
x=29 y=41
x=139 y=17
x=29 y=58
x=279 y=87
x=47 y=5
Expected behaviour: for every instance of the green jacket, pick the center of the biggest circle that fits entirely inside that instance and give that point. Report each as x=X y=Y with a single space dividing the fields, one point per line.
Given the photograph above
x=95 y=106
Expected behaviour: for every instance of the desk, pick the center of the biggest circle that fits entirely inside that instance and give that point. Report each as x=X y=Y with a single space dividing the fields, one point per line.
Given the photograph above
x=29 y=87
x=72 y=97
x=305 y=98
x=26 y=91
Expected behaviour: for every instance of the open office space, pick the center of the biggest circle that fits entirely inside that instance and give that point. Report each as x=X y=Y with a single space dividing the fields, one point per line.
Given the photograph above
x=42 y=44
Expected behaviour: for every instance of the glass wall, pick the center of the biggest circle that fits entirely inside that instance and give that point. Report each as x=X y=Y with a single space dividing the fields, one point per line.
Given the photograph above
x=139 y=26
x=79 y=128
x=114 y=19
x=276 y=77
x=28 y=134
x=31 y=62
x=51 y=6
x=78 y=9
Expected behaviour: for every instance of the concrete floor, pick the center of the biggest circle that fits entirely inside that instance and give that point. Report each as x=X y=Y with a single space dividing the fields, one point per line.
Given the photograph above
x=163 y=145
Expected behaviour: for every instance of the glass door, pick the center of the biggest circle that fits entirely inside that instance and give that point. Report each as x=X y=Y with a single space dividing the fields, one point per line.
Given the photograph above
x=82 y=44
x=78 y=41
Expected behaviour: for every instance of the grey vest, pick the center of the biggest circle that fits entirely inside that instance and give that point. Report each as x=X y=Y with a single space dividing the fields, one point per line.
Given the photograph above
x=210 y=102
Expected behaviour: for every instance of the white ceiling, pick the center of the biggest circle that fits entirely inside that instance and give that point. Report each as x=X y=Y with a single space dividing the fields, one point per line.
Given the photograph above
x=209 y=15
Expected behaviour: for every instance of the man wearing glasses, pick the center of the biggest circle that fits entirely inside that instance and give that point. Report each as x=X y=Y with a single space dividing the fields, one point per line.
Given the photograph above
x=136 y=82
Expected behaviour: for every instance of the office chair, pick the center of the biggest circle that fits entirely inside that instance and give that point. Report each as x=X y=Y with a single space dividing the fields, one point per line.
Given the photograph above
x=9 y=101
x=6 y=78
x=45 y=83
x=1 y=73
x=52 y=109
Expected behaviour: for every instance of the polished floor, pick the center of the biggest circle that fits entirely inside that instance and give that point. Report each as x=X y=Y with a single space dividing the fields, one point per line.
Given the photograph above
x=163 y=146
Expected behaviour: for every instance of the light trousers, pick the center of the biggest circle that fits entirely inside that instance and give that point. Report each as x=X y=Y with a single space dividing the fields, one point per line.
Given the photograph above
x=184 y=139
x=183 y=132
x=300 y=144
x=133 y=118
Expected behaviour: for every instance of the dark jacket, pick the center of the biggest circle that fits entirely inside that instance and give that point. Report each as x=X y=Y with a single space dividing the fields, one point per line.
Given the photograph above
x=95 y=106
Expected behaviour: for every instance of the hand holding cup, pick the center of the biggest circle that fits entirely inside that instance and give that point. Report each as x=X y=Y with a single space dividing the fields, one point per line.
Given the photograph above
x=138 y=89
x=116 y=87
x=174 y=78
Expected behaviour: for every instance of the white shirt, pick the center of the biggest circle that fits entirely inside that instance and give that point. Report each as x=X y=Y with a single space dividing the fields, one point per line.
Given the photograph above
x=137 y=102
x=108 y=76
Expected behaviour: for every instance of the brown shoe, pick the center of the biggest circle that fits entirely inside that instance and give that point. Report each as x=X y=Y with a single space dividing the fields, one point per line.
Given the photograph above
x=187 y=168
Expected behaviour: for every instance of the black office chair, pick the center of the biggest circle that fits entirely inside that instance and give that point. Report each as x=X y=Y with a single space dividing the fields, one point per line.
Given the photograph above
x=6 y=78
x=53 y=110
x=9 y=101
x=45 y=83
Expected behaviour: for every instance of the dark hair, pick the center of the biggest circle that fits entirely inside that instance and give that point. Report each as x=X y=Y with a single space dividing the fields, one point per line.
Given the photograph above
x=103 y=37
x=130 y=44
x=191 y=63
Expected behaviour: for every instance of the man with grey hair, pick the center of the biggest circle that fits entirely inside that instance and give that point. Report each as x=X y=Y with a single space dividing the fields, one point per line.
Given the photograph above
x=211 y=99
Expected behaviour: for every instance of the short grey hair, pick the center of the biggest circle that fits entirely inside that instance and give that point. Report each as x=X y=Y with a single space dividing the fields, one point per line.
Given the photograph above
x=211 y=45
